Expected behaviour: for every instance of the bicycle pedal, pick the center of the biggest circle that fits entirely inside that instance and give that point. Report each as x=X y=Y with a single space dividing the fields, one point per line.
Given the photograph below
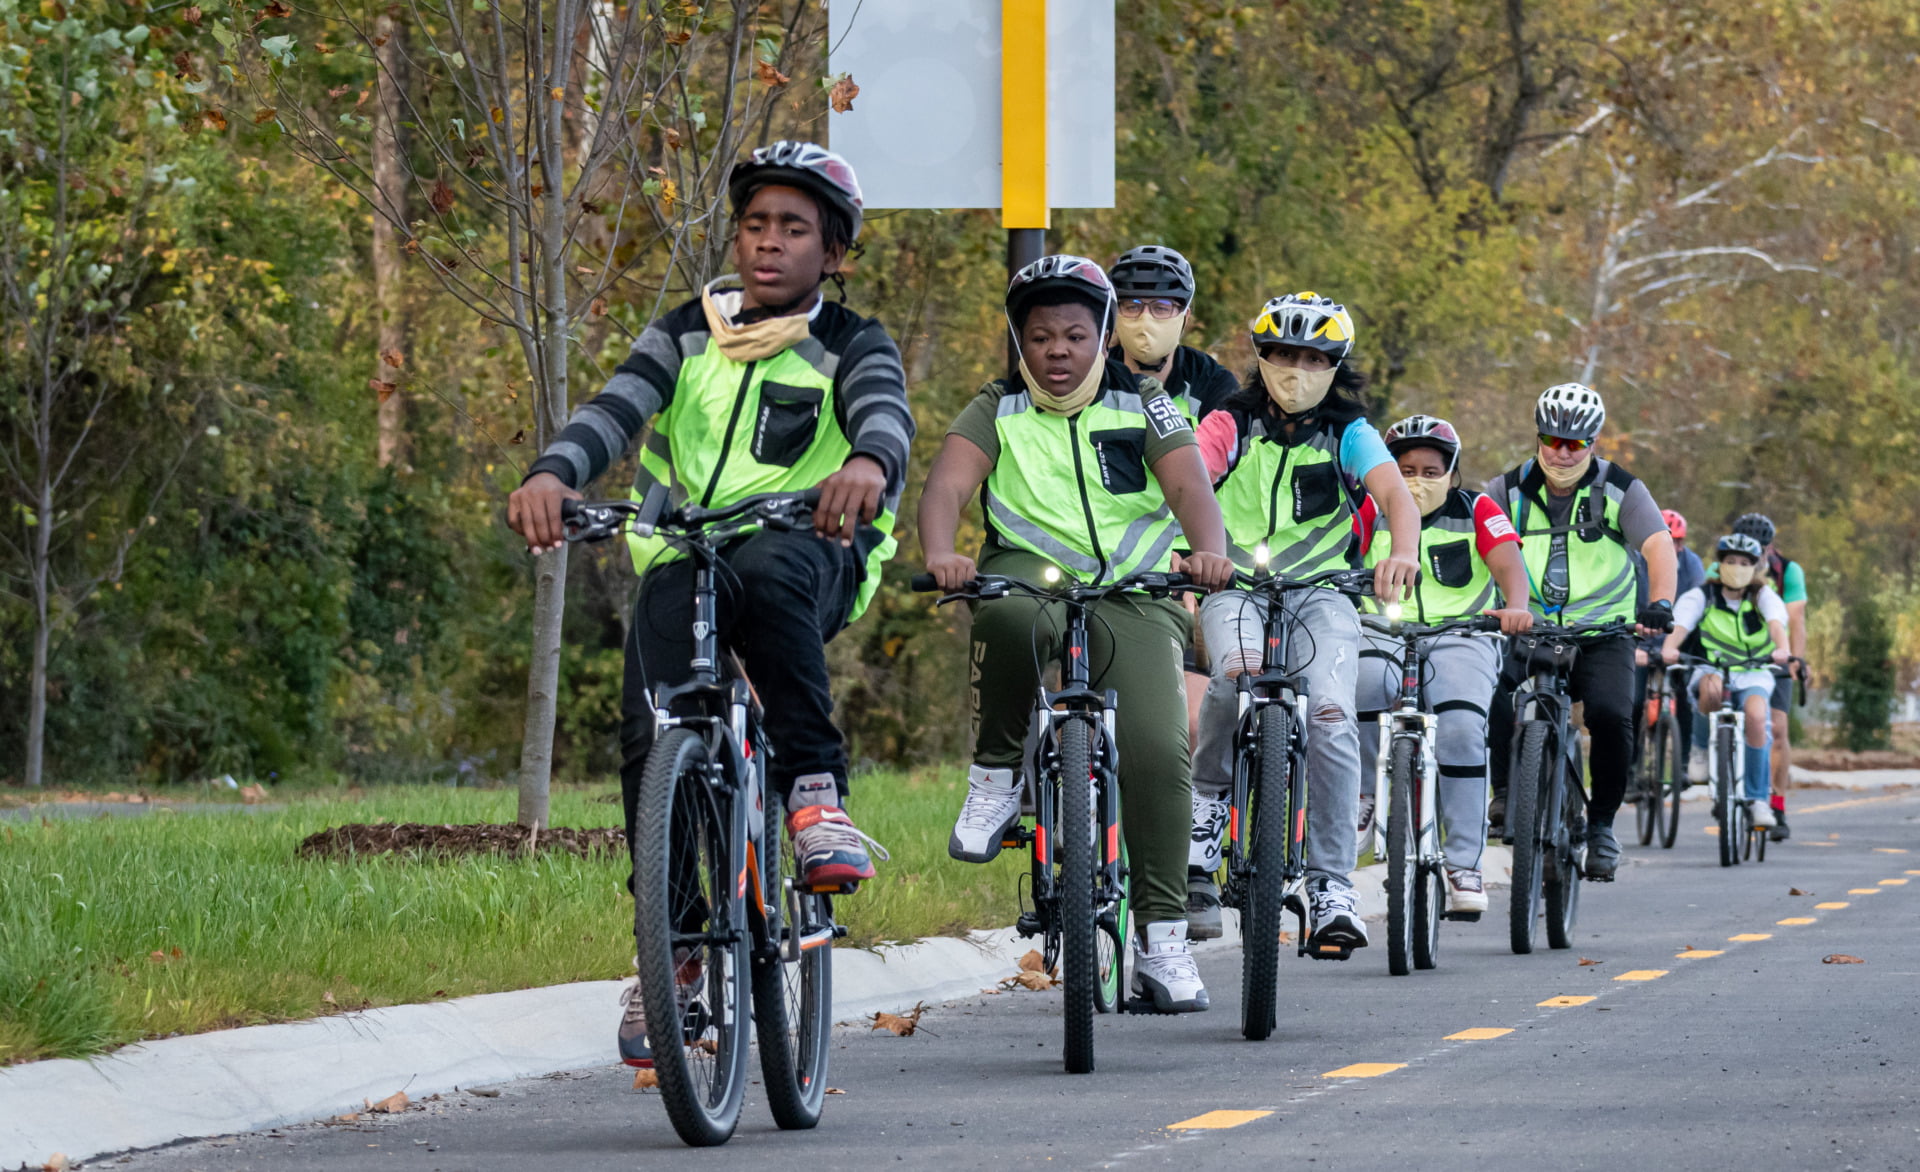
x=1330 y=951
x=834 y=888
x=1462 y=917
x=1143 y=1006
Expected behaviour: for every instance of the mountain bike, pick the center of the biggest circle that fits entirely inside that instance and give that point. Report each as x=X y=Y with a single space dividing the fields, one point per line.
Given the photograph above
x=1071 y=772
x=1546 y=803
x=1266 y=847
x=722 y=932
x=1660 y=773
x=1739 y=838
x=1409 y=800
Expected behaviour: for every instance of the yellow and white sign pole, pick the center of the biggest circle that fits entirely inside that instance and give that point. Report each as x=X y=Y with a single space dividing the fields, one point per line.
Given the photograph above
x=1024 y=208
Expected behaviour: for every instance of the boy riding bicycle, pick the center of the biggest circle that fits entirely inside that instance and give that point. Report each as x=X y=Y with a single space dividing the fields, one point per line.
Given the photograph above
x=1083 y=468
x=758 y=385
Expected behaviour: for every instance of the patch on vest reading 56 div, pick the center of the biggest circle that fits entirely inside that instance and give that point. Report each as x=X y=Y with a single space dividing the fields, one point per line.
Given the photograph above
x=1165 y=416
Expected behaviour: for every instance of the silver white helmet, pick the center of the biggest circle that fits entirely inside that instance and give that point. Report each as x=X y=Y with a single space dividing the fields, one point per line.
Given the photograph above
x=1570 y=411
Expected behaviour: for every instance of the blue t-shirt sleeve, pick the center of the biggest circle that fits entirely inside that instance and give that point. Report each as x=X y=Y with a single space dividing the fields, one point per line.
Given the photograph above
x=1362 y=450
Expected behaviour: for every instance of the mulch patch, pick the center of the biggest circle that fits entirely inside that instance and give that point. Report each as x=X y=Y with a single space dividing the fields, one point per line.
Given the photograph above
x=386 y=838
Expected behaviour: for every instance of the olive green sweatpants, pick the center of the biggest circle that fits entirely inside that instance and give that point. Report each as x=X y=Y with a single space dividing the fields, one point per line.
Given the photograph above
x=1136 y=644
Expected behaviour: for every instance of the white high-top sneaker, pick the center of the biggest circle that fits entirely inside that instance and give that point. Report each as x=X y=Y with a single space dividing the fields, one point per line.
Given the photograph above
x=992 y=805
x=1163 y=969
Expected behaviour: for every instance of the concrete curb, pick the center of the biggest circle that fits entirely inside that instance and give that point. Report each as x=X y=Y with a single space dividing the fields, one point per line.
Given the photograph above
x=263 y=1076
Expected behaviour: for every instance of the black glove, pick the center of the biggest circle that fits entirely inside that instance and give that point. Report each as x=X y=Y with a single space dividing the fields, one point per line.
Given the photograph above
x=1656 y=616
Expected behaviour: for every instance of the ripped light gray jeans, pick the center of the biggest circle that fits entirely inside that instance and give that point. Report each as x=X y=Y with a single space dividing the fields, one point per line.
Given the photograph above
x=1325 y=651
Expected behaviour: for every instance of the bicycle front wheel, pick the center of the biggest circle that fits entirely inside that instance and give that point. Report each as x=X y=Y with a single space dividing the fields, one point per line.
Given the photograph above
x=1561 y=885
x=1526 y=781
x=792 y=987
x=690 y=941
x=1079 y=957
x=1724 y=796
x=1403 y=863
x=1672 y=777
x=1271 y=823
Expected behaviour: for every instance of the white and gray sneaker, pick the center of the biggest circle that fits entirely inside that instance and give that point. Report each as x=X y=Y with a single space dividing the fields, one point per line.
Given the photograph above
x=1761 y=810
x=992 y=806
x=1466 y=890
x=1334 y=927
x=1163 y=969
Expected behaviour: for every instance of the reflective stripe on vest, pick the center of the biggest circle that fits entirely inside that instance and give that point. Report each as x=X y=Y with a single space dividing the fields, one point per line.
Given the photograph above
x=1292 y=499
x=735 y=429
x=1077 y=490
x=1446 y=548
x=1728 y=634
x=1601 y=584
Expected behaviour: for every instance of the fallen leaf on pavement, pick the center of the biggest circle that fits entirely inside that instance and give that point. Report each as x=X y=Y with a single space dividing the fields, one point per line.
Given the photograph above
x=835 y=1091
x=1038 y=982
x=1033 y=962
x=902 y=1025
x=484 y=1092
x=1841 y=958
x=349 y=1117
x=391 y=1105
x=1286 y=937
x=642 y=1080
x=1584 y=962
x=1797 y=891
x=707 y=1045
x=991 y=992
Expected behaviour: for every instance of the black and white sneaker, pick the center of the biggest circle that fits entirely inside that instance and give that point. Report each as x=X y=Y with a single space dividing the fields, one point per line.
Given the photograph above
x=1334 y=924
x=1163 y=969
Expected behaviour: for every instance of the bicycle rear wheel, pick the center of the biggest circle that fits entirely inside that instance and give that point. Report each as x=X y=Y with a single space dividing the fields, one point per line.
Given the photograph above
x=792 y=987
x=690 y=936
x=1525 y=782
x=1730 y=809
x=1671 y=776
x=1079 y=960
x=1112 y=946
x=1403 y=863
x=1271 y=821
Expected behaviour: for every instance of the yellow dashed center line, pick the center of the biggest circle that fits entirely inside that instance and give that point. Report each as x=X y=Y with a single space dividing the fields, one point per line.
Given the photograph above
x=1746 y=937
x=1830 y=906
x=1479 y=1034
x=1890 y=850
x=1365 y=1070
x=1913 y=872
x=1214 y=1120
x=1796 y=920
x=1642 y=975
x=1893 y=883
x=1863 y=891
x=1818 y=843
x=1563 y=1000
x=1702 y=953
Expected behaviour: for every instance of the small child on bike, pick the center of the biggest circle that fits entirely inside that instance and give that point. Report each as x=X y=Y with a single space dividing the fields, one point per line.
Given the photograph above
x=1467 y=549
x=1085 y=468
x=1290 y=455
x=1733 y=621
x=758 y=385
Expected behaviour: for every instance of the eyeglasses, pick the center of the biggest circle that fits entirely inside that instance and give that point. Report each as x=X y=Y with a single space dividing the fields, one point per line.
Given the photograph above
x=1560 y=443
x=1160 y=307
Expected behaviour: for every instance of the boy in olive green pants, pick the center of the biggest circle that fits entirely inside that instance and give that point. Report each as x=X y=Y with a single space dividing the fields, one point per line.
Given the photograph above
x=1085 y=469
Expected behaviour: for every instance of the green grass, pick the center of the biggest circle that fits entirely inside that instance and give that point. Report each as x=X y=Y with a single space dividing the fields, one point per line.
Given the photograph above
x=248 y=933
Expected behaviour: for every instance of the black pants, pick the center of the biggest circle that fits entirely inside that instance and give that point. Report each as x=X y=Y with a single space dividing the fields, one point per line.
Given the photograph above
x=781 y=597
x=1602 y=679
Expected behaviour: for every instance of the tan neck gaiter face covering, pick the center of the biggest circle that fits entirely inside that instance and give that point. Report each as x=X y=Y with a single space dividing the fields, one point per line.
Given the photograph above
x=1070 y=402
x=1147 y=339
x=1562 y=479
x=1428 y=493
x=749 y=343
x=1294 y=390
x=1736 y=577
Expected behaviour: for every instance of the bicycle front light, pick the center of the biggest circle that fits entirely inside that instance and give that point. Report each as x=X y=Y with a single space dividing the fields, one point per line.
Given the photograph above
x=1051 y=575
x=1392 y=611
x=1261 y=555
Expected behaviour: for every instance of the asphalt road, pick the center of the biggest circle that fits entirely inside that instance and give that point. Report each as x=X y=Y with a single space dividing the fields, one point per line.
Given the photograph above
x=1747 y=1053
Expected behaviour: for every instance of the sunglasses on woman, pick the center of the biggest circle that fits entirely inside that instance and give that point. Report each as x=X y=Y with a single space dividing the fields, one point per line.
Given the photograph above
x=1160 y=307
x=1562 y=444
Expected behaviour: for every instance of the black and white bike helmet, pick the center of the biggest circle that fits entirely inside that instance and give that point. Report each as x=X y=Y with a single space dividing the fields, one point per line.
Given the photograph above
x=1305 y=319
x=1740 y=543
x=808 y=166
x=1758 y=526
x=1425 y=431
x=1152 y=270
x=1570 y=411
x=1076 y=274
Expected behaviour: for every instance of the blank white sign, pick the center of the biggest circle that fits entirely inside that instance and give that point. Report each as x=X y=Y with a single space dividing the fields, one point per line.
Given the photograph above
x=925 y=130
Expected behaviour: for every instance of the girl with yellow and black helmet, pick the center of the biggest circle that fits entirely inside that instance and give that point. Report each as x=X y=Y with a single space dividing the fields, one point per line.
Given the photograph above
x=1291 y=456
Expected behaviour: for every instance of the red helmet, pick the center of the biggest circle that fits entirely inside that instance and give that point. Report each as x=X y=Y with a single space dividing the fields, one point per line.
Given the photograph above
x=1676 y=524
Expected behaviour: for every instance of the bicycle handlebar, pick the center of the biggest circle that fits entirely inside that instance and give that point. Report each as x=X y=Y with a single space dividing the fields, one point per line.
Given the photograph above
x=988 y=586
x=1401 y=628
x=1358 y=583
x=599 y=520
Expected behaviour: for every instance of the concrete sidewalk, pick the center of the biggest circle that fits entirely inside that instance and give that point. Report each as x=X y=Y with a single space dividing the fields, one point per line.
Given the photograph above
x=245 y=1079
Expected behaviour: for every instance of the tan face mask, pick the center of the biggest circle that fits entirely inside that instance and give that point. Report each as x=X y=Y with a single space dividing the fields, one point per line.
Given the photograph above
x=1736 y=577
x=1563 y=479
x=1428 y=493
x=749 y=343
x=1070 y=402
x=1294 y=390
x=1147 y=339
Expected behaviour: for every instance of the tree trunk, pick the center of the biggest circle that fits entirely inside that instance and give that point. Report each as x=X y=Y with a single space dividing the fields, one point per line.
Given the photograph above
x=37 y=686
x=390 y=204
x=543 y=686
